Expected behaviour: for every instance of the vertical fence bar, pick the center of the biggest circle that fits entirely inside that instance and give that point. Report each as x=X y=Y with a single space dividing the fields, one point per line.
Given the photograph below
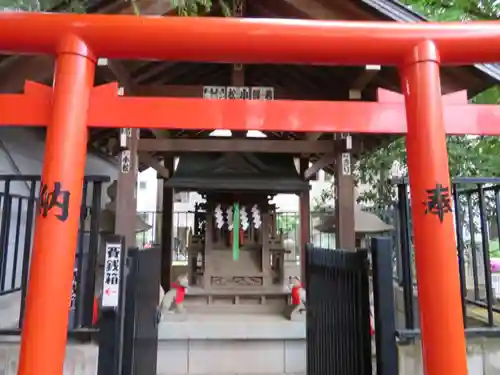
x=4 y=233
x=406 y=259
x=384 y=316
x=30 y=218
x=130 y=312
x=461 y=251
x=80 y=255
x=398 y=227
x=486 y=254
x=16 y=242
x=175 y=241
x=88 y=290
x=497 y=212
x=473 y=247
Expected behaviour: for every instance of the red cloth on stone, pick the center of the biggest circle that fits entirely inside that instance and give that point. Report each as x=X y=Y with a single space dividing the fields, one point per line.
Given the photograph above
x=296 y=295
x=180 y=293
x=95 y=312
x=372 y=331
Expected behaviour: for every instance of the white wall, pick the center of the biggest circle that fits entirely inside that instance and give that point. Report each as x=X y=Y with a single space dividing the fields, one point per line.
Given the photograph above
x=22 y=150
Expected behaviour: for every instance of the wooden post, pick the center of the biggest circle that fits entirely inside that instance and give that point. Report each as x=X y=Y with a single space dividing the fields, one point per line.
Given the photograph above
x=305 y=220
x=126 y=199
x=167 y=212
x=345 y=232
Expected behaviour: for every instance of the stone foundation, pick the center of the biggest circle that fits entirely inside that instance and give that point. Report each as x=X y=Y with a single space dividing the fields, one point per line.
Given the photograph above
x=232 y=357
x=483 y=357
x=81 y=359
x=250 y=356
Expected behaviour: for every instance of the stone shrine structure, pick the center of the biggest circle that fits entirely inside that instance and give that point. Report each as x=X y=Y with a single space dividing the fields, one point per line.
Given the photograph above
x=241 y=271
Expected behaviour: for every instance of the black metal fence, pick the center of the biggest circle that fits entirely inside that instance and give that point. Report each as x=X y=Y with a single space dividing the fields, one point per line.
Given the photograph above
x=18 y=202
x=287 y=224
x=477 y=224
x=383 y=307
x=338 y=312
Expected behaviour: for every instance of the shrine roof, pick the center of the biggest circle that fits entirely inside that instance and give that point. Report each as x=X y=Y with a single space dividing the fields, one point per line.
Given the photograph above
x=206 y=172
x=395 y=11
x=153 y=78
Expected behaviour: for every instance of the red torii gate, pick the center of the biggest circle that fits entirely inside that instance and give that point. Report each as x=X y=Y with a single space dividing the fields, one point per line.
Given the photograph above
x=386 y=115
x=74 y=104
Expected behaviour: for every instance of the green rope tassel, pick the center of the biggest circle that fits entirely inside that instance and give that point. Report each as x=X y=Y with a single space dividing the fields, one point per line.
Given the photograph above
x=236 y=231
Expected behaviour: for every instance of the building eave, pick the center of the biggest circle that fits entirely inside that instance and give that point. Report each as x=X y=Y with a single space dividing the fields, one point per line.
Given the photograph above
x=397 y=11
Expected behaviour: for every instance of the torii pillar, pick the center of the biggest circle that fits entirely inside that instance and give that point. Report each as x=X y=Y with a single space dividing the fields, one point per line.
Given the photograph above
x=441 y=321
x=43 y=338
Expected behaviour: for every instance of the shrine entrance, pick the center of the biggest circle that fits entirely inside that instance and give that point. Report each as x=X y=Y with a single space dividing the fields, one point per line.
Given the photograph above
x=73 y=105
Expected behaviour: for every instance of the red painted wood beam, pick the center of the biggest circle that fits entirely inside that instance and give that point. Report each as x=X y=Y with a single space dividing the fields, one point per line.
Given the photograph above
x=109 y=110
x=241 y=40
x=387 y=96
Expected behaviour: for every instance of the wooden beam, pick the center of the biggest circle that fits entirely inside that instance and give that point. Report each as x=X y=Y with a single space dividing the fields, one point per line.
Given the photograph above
x=365 y=78
x=116 y=71
x=150 y=160
x=313 y=136
x=16 y=70
x=177 y=145
x=323 y=162
x=314 y=9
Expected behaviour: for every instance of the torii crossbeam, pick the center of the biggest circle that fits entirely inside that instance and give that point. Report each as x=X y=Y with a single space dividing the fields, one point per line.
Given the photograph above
x=417 y=50
x=109 y=110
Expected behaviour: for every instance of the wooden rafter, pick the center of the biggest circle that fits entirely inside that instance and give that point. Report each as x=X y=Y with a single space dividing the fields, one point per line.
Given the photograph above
x=323 y=162
x=40 y=68
x=314 y=9
x=150 y=160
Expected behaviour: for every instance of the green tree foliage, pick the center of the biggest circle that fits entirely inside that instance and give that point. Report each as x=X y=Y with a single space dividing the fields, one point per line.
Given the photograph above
x=197 y=7
x=456 y=10
x=184 y=7
x=74 y=6
x=287 y=222
x=469 y=155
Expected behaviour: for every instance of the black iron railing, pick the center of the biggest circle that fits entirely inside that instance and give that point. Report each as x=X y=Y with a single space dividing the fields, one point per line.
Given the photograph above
x=477 y=224
x=17 y=219
x=338 y=312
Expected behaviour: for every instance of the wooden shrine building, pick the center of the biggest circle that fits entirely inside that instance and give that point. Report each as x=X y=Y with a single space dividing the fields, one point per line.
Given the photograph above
x=157 y=148
x=149 y=113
